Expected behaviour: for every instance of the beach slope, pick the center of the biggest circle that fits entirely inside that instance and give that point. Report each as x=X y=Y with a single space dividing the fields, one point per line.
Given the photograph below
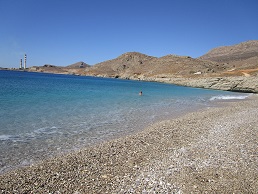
x=213 y=151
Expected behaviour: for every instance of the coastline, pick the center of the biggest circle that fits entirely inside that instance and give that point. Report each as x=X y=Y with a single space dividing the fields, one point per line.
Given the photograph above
x=242 y=84
x=212 y=150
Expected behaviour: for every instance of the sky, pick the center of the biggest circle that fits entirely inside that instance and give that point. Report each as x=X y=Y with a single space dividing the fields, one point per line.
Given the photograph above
x=63 y=32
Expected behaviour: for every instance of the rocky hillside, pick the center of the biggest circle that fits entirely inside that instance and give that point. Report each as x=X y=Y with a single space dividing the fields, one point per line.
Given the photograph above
x=242 y=51
x=236 y=60
x=241 y=59
x=127 y=63
x=228 y=68
x=76 y=68
x=78 y=65
x=232 y=68
x=136 y=65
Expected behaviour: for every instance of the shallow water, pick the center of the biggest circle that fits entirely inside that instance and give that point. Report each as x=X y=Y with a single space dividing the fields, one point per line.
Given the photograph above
x=42 y=115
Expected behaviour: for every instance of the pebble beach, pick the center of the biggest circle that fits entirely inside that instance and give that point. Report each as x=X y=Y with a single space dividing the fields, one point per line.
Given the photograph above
x=210 y=151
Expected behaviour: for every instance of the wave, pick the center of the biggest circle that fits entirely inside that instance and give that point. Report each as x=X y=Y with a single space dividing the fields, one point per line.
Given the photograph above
x=229 y=97
x=37 y=133
x=46 y=130
x=14 y=138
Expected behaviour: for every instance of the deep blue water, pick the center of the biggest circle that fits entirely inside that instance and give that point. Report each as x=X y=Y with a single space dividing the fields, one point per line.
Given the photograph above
x=42 y=115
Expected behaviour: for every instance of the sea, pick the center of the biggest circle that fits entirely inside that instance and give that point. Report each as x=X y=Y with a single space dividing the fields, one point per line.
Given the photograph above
x=43 y=115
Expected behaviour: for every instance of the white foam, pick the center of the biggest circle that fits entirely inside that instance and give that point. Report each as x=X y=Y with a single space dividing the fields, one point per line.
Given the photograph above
x=229 y=97
x=5 y=137
x=10 y=137
x=46 y=130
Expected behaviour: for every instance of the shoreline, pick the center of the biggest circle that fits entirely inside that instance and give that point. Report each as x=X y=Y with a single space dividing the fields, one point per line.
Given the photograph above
x=26 y=154
x=212 y=150
x=239 y=84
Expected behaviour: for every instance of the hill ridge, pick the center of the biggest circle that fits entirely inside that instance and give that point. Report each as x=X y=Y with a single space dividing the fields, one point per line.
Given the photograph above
x=232 y=67
x=234 y=52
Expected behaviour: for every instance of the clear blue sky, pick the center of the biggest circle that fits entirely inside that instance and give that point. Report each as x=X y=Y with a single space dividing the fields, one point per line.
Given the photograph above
x=62 y=32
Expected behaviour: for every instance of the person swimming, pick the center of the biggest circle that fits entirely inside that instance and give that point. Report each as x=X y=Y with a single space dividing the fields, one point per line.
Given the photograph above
x=140 y=93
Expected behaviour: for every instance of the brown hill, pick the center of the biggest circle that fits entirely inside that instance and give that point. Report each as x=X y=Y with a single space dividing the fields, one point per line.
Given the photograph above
x=133 y=64
x=78 y=65
x=127 y=62
x=228 y=68
x=177 y=66
x=242 y=51
x=76 y=68
x=48 y=68
x=236 y=60
x=240 y=59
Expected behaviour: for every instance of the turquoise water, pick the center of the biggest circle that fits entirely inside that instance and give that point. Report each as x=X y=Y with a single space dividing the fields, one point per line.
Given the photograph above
x=42 y=115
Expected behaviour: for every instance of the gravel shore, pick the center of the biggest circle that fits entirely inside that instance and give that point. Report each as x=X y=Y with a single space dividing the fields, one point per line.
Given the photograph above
x=210 y=151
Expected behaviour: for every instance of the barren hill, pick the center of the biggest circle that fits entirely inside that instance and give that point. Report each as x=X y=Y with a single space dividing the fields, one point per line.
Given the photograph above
x=236 y=60
x=133 y=65
x=227 y=68
x=126 y=62
x=241 y=59
x=78 y=65
x=236 y=52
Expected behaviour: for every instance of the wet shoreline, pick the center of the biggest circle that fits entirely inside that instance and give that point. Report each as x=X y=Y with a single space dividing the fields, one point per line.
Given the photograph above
x=212 y=150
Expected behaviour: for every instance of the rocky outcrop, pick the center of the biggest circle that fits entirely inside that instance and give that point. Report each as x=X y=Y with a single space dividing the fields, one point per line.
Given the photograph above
x=237 y=84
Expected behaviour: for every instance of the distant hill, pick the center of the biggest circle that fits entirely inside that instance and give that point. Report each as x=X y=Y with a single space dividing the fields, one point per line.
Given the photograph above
x=232 y=68
x=126 y=62
x=236 y=52
x=241 y=59
x=133 y=64
x=78 y=65
x=48 y=68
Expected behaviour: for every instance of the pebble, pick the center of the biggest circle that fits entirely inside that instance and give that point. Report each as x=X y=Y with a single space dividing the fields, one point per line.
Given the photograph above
x=190 y=154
